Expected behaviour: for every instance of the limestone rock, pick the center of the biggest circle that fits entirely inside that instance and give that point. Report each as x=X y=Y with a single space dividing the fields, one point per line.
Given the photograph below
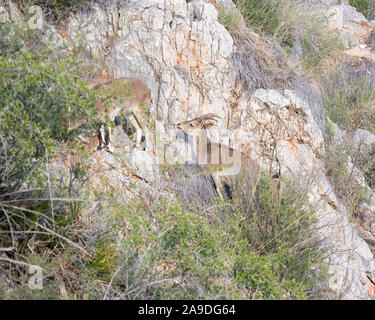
x=4 y=15
x=366 y=221
x=342 y=19
x=184 y=54
x=364 y=139
x=15 y=13
x=142 y=165
x=49 y=34
x=348 y=23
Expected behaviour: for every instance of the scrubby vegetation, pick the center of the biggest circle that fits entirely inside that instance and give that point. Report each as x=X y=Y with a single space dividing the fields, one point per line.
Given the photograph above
x=230 y=19
x=343 y=176
x=367 y=165
x=351 y=102
x=40 y=92
x=55 y=9
x=279 y=224
x=39 y=95
x=263 y=247
x=259 y=246
x=300 y=33
x=366 y=7
x=256 y=12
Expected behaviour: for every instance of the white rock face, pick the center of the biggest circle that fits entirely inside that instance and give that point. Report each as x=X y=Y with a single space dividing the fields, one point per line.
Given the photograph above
x=342 y=19
x=14 y=13
x=328 y=3
x=365 y=138
x=142 y=165
x=351 y=25
x=4 y=15
x=183 y=54
x=287 y=140
x=49 y=34
x=179 y=50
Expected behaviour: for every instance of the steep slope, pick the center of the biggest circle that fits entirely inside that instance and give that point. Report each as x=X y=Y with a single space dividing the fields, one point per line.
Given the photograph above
x=194 y=66
x=184 y=55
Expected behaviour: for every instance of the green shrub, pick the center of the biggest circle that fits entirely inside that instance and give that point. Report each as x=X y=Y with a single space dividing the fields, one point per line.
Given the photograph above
x=263 y=16
x=60 y=8
x=337 y=105
x=279 y=224
x=366 y=7
x=161 y=251
x=165 y=253
x=288 y=23
x=341 y=176
x=230 y=19
x=350 y=103
x=40 y=94
x=319 y=45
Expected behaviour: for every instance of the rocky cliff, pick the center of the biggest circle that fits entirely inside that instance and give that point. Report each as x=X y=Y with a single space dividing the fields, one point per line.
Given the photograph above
x=194 y=66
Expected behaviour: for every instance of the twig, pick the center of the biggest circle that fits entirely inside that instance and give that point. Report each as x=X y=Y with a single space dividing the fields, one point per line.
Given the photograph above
x=73 y=244
x=20 y=191
x=152 y=283
x=44 y=199
x=10 y=228
x=2 y=205
x=110 y=283
x=50 y=192
x=16 y=262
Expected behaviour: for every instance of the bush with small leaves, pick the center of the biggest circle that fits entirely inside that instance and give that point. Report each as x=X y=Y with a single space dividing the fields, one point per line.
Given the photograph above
x=342 y=176
x=350 y=102
x=366 y=7
x=291 y=25
x=261 y=246
x=57 y=9
x=40 y=93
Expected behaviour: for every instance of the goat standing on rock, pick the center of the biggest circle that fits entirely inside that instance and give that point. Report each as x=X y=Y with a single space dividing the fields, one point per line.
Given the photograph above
x=224 y=160
x=129 y=97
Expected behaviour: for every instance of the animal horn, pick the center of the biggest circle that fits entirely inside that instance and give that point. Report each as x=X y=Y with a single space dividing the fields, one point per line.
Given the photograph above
x=208 y=116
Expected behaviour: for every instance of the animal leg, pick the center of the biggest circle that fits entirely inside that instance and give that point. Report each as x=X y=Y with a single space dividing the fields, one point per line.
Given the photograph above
x=101 y=136
x=82 y=139
x=148 y=137
x=138 y=129
x=109 y=145
x=216 y=177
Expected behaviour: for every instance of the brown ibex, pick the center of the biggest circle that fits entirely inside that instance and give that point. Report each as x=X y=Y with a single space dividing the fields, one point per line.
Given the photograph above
x=130 y=97
x=223 y=160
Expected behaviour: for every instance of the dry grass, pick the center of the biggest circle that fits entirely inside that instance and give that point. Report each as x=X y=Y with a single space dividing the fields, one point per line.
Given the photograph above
x=348 y=93
x=259 y=62
x=230 y=19
x=342 y=176
x=193 y=185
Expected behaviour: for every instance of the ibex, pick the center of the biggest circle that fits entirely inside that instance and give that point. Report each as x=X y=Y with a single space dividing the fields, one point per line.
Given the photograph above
x=223 y=160
x=130 y=97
